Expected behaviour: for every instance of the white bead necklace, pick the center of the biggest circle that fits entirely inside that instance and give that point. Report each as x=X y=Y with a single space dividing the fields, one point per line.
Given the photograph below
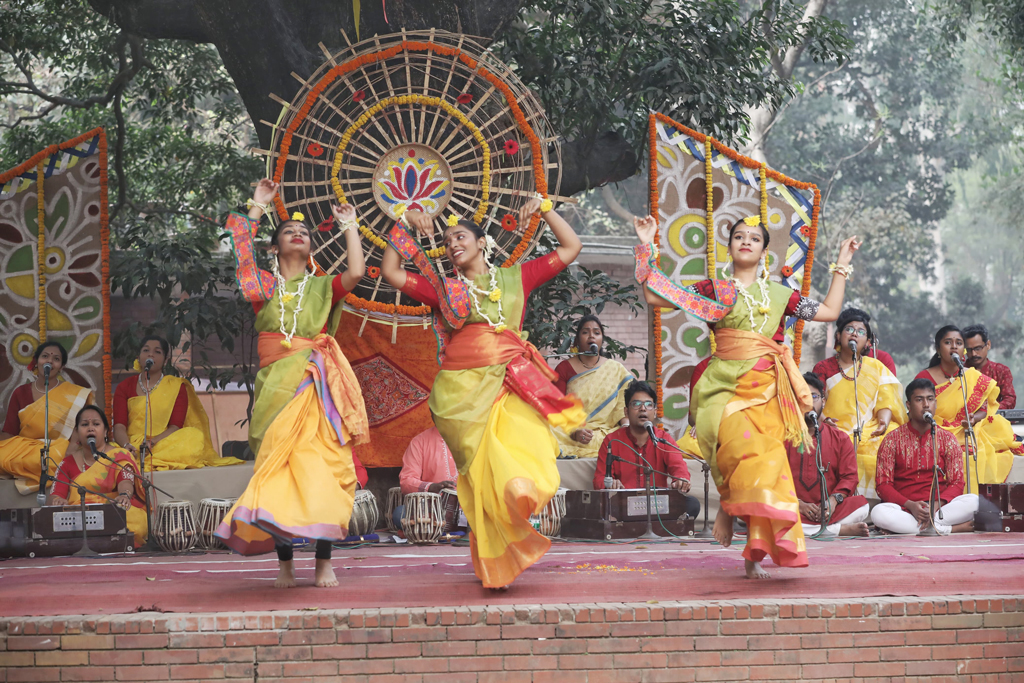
x=284 y=297
x=763 y=306
x=493 y=293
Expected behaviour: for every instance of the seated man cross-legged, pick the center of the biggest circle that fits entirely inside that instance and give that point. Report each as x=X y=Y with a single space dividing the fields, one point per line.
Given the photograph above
x=903 y=477
x=626 y=442
x=848 y=511
x=427 y=466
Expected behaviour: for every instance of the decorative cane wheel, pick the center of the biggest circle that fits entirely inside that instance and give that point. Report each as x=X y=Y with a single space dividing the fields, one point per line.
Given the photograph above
x=421 y=120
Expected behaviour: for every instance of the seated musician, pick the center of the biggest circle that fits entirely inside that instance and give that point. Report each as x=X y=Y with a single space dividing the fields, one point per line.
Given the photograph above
x=904 y=476
x=997 y=444
x=178 y=429
x=847 y=511
x=599 y=382
x=626 y=442
x=110 y=480
x=978 y=345
x=427 y=465
x=877 y=405
x=22 y=437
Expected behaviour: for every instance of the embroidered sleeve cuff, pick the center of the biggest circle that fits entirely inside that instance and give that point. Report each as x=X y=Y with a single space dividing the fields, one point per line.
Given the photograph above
x=807 y=308
x=254 y=284
x=644 y=255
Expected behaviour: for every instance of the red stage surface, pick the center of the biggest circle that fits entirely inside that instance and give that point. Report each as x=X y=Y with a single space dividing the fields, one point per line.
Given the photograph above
x=382 y=576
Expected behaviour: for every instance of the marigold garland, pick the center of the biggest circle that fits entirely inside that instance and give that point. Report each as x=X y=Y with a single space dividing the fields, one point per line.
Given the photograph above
x=378 y=241
x=41 y=255
x=389 y=309
x=540 y=178
x=710 y=238
x=763 y=183
x=436 y=253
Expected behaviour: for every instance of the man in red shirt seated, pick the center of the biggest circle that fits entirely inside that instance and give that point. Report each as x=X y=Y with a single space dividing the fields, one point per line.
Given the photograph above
x=977 y=344
x=848 y=512
x=903 y=476
x=633 y=445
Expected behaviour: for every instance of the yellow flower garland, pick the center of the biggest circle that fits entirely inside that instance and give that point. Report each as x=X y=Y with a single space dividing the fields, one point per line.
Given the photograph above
x=436 y=253
x=346 y=138
x=368 y=234
x=41 y=219
x=764 y=211
x=709 y=223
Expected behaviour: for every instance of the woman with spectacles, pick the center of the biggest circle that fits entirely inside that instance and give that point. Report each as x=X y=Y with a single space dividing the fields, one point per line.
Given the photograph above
x=751 y=400
x=877 y=406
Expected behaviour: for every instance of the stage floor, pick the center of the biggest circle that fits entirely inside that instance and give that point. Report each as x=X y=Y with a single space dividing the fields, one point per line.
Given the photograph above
x=388 y=575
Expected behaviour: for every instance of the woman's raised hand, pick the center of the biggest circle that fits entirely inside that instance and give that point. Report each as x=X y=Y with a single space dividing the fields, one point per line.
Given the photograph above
x=343 y=213
x=419 y=221
x=847 y=249
x=527 y=210
x=265 y=191
x=646 y=228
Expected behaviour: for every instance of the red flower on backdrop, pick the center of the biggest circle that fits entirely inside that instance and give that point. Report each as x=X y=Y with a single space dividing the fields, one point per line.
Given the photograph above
x=315 y=149
x=373 y=272
x=359 y=96
x=464 y=98
x=511 y=146
x=326 y=225
x=805 y=231
x=787 y=271
x=509 y=222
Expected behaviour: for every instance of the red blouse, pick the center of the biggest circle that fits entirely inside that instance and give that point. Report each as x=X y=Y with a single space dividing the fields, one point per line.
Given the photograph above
x=565 y=372
x=68 y=470
x=129 y=388
x=21 y=398
x=904 y=468
x=707 y=290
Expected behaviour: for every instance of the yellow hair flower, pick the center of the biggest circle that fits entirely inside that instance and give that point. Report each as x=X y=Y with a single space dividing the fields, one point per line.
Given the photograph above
x=752 y=221
x=136 y=367
x=453 y=220
x=546 y=205
x=298 y=216
x=495 y=295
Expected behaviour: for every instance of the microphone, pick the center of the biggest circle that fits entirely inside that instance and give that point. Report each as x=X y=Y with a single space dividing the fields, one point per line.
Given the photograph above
x=609 y=481
x=92 y=446
x=46 y=371
x=149 y=364
x=649 y=426
x=853 y=347
x=811 y=418
x=594 y=349
x=959 y=362
x=928 y=418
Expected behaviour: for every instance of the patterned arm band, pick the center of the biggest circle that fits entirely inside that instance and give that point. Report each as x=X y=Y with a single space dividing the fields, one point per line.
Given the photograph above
x=806 y=308
x=254 y=284
x=684 y=298
x=452 y=295
x=645 y=255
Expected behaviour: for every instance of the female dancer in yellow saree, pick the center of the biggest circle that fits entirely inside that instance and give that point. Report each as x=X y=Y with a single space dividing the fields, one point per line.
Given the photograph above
x=309 y=408
x=493 y=400
x=600 y=383
x=178 y=429
x=996 y=443
x=877 y=408
x=751 y=400
x=22 y=437
x=115 y=480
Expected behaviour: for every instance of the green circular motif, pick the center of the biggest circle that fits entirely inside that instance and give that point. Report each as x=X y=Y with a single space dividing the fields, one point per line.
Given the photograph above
x=695 y=238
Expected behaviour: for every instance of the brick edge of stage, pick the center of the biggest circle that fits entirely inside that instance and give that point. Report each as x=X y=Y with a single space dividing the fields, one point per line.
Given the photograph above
x=935 y=639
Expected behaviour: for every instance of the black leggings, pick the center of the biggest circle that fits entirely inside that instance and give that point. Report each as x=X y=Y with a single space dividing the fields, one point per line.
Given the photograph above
x=285 y=552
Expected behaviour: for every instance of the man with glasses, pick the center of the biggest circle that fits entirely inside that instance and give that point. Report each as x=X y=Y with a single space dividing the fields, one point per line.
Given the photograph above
x=978 y=345
x=634 y=446
x=847 y=512
x=862 y=395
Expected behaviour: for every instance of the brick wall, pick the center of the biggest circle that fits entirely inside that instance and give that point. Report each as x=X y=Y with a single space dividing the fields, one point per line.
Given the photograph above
x=953 y=639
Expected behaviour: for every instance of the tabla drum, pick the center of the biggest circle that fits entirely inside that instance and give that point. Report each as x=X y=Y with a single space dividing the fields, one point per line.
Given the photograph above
x=423 y=520
x=364 y=514
x=453 y=517
x=552 y=514
x=394 y=500
x=175 y=527
x=211 y=512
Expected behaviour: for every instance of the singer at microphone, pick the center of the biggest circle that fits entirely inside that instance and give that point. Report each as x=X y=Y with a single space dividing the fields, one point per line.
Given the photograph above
x=639 y=444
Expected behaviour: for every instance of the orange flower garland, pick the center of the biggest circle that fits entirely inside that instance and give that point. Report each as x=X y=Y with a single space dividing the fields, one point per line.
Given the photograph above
x=41 y=249
x=390 y=309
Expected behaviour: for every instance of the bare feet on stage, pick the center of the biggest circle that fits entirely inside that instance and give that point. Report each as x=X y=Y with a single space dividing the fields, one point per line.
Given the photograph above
x=723 y=528
x=754 y=570
x=963 y=527
x=285 y=575
x=857 y=529
x=325 y=577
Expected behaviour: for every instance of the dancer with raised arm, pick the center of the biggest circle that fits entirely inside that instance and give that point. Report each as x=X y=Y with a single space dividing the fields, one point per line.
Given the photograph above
x=751 y=400
x=309 y=409
x=493 y=400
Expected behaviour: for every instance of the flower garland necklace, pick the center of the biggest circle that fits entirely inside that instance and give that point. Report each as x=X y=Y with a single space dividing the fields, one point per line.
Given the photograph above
x=285 y=297
x=763 y=306
x=493 y=293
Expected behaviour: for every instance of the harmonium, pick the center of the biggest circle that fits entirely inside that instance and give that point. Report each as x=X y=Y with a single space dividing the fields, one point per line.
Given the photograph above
x=57 y=530
x=1000 y=508
x=611 y=514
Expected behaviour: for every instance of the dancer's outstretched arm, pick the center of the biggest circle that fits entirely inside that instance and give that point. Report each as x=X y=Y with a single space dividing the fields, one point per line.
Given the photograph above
x=345 y=214
x=569 y=245
x=833 y=303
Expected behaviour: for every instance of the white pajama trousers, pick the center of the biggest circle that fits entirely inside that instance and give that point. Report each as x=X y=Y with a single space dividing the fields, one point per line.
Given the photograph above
x=894 y=518
x=858 y=515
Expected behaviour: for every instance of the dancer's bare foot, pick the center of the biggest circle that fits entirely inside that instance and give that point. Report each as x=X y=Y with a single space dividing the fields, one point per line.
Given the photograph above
x=285 y=575
x=754 y=570
x=723 y=527
x=964 y=527
x=325 y=577
x=501 y=588
x=856 y=529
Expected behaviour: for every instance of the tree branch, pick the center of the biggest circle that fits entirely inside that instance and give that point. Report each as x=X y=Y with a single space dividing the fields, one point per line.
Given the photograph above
x=163 y=19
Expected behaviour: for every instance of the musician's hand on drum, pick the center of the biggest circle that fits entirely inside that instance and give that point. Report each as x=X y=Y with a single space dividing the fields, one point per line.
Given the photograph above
x=265 y=191
x=583 y=436
x=419 y=221
x=646 y=228
x=810 y=511
x=439 y=486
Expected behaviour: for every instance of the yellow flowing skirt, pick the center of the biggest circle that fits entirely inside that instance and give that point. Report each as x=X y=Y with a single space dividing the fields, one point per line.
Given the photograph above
x=19 y=457
x=758 y=485
x=303 y=484
x=512 y=477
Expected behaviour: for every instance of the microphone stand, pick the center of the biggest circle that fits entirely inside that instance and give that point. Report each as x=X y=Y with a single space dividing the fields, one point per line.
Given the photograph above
x=649 y=473
x=858 y=429
x=44 y=452
x=147 y=484
x=970 y=438
x=85 y=550
x=824 y=513
x=933 y=492
x=706 y=468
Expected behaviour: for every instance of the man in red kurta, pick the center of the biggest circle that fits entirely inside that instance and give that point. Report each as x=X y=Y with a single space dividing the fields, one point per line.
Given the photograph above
x=977 y=344
x=627 y=471
x=847 y=512
x=903 y=475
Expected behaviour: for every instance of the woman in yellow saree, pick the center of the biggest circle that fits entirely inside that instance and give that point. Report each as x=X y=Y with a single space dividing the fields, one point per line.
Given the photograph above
x=103 y=479
x=22 y=437
x=877 y=408
x=177 y=427
x=493 y=400
x=600 y=383
x=751 y=399
x=309 y=409
x=996 y=443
